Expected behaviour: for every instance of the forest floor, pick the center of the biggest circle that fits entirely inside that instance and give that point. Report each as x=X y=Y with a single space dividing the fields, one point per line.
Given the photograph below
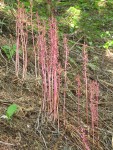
x=27 y=130
x=23 y=132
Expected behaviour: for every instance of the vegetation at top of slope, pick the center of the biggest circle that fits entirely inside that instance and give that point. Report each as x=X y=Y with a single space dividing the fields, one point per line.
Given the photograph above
x=91 y=19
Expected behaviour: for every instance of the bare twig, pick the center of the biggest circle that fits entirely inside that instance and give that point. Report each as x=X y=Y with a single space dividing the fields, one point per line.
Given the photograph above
x=5 y=143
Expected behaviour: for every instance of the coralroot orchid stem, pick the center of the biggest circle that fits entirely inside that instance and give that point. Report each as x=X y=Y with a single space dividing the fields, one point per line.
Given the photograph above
x=78 y=95
x=22 y=38
x=84 y=139
x=85 y=61
x=17 y=39
x=94 y=94
x=65 y=74
x=33 y=38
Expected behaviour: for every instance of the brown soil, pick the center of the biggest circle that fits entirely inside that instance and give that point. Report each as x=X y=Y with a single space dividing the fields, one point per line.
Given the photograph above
x=23 y=132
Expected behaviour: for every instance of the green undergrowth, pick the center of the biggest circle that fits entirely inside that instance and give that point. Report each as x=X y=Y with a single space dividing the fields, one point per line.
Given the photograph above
x=93 y=19
x=89 y=21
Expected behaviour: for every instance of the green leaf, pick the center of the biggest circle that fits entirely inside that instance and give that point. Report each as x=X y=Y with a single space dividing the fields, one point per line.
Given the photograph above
x=11 y=110
x=92 y=66
x=9 y=50
x=72 y=61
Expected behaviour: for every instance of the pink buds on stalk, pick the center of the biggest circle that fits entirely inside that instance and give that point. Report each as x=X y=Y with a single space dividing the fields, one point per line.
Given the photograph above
x=85 y=62
x=22 y=38
x=78 y=95
x=66 y=49
x=94 y=94
x=84 y=139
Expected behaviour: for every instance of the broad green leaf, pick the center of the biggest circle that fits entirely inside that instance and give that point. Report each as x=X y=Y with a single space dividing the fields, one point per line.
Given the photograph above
x=11 y=110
